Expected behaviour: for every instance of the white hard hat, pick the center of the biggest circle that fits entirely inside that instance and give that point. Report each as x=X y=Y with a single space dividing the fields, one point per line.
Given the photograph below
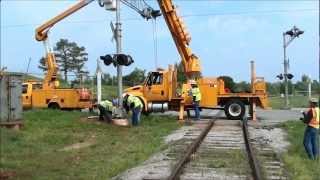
x=192 y=81
x=313 y=100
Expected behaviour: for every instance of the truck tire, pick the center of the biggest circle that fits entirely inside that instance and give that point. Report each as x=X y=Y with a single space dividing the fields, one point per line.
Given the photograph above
x=234 y=109
x=53 y=105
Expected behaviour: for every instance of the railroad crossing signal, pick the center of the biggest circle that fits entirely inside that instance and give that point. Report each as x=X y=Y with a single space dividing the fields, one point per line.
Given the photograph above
x=281 y=76
x=117 y=59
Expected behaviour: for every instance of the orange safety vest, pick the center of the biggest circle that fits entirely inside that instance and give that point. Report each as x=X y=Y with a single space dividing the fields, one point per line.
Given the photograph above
x=315 y=118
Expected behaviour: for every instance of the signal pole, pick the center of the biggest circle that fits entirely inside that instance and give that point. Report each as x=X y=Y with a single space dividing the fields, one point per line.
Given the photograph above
x=118 y=44
x=292 y=33
x=285 y=72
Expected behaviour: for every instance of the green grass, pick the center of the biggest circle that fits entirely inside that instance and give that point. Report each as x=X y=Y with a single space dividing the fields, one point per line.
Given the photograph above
x=34 y=152
x=107 y=92
x=295 y=101
x=296 y=160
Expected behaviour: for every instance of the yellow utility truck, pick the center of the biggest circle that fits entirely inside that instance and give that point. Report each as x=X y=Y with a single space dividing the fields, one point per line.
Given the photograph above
x=47 y=94
x=34 y=96
x=159 y=90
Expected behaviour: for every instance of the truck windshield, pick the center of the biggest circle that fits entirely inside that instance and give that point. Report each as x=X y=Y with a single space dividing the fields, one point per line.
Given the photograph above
x=24 y=88
x=155 y=78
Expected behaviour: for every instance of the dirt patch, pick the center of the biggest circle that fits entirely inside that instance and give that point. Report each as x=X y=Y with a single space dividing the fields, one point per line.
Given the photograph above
x=77 y=146
x=94 y=120
x=83 y=144
x=4 y=175
x=274 y=137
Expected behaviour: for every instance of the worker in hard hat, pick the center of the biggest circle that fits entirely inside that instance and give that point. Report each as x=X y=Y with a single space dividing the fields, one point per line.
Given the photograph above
x=134 y=104
x=196 y=98
x=311 y=118
x=105 y=111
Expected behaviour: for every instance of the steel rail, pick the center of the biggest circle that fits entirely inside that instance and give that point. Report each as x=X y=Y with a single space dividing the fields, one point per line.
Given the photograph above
x=191 y=149
x=256 y=173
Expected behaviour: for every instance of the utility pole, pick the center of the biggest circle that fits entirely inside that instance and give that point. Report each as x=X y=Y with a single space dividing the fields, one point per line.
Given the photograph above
x=293 y=33
x=118 y=44
x=285 y=71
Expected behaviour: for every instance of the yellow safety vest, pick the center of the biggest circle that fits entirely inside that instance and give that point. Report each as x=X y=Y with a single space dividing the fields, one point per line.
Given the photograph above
x=196 y=92
x=135 y=100
x=315 y=118
x=106 y=104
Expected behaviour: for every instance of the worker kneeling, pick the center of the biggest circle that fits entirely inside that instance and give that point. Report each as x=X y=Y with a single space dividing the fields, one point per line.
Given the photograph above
x=134 y=104
x=105 y=107
x=196 y=98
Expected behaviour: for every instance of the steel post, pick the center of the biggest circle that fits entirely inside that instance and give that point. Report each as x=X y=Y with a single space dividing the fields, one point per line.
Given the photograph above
x=118 y=43
x=285 y=72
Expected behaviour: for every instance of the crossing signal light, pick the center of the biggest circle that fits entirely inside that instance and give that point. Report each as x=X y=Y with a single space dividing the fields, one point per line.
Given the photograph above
x=280 y=76
x=107 y=59
x=294 y=32
x=290 y=76
x=290 y=33
x=123 y=59
x=117 y=59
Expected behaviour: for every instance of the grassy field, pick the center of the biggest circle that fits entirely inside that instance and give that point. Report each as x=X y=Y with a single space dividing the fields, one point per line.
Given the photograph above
x=41 y=150
x=107 y=92
x=295 y=101
x=300 y=167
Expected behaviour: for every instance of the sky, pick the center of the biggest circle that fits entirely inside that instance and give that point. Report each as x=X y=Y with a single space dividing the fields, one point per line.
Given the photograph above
x=226 y=36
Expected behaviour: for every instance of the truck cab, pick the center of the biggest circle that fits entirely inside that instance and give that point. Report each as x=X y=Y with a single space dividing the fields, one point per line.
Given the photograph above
x=157 y=90
x=27 y=89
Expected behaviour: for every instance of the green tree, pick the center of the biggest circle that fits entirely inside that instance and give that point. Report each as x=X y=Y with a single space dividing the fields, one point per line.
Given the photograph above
x=70 y=58
x=305 y=78
x=242 y=86
x=42 y=64
x=137 y=76
x=78 y=57
x=228 y=82
x=273 y=88
x=181 y=77
x=315 y=87
x=63 y=58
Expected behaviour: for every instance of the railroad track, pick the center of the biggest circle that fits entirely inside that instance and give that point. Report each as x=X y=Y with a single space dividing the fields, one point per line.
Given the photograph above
x=220 y=149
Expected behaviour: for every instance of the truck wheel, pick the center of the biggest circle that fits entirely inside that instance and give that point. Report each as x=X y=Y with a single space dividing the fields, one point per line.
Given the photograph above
x=234 y=109
x=54 y=106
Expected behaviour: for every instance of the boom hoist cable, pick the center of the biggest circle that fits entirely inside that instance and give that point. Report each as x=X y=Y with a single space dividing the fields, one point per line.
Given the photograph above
x=155 y=42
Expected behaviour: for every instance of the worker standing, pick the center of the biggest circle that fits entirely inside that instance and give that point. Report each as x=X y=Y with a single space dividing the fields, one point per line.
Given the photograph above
x=196 y=98
x=134 y=104
x=311 y=118
x=105 y=107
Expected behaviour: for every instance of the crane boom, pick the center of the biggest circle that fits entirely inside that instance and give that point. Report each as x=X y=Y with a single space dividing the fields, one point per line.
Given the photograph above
x=50 y=80
x=42 y=31
x=181 y=37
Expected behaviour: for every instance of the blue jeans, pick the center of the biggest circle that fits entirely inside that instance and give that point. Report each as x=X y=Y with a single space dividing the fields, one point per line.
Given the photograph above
x=136 y=112
x=196 y=109
x=310 y=142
